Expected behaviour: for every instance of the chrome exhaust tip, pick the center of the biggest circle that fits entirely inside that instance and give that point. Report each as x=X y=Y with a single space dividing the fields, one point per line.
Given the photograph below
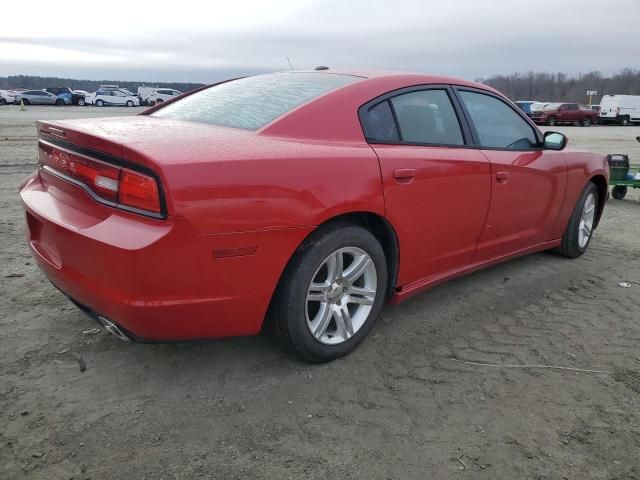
x=113 y=328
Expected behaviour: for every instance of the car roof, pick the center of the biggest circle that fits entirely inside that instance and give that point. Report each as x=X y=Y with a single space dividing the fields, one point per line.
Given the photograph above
x=310 y=120
x=411 y=77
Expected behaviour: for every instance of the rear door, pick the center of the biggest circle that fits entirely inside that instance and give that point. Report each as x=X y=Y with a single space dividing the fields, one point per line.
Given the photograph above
x=436 y=184
x=528 y=182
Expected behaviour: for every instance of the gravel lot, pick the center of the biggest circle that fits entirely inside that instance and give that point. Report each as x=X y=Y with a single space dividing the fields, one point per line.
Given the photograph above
x=400 y=407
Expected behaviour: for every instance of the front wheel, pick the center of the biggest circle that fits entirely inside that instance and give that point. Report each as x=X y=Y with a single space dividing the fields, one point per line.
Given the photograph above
x=331 y=293
x=2 y=101
x=619 y=192
x=577 y=237
x=99 y=103
x=59 y=102
x=129 y=103
x=551 y=121
x=81 y=102
x=624 y=121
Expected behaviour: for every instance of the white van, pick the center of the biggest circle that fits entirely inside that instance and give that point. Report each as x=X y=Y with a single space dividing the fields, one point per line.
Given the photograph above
x=622 y=109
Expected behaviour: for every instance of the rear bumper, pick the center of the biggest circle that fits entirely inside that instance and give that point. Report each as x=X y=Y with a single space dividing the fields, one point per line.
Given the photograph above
x=156 y=279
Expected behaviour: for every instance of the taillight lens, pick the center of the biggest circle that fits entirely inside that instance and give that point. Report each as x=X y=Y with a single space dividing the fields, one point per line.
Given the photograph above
x=101 y=178
x=117 y=185
x=139 y=191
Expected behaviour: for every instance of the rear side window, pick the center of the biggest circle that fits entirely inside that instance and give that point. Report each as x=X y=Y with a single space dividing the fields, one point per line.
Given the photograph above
x=427 y=116
x=497 y=124
x=379 y=124
x=252 y=102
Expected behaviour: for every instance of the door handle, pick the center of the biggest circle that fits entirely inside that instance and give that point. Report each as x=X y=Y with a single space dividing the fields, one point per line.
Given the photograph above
x=404 y=174
x=502 y=177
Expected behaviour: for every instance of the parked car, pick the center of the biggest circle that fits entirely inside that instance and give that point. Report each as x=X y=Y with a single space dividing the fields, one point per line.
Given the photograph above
x=38 y=97
x=298 y=203
x=162 y=94
x=557 y=113
x=620 y=109
x=67 y=95
x=7 y=96
x=537 y=106
x=525 y=106
x=108 y=97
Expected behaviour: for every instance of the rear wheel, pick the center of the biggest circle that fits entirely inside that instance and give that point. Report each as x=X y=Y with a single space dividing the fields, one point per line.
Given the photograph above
x=2 y=101
x=99 y=103
x=551 y=121
x=577 y=237
x=586 y=122
x=331 y=293
x=624 y=121
x=619 y=192
x=59 y=102
x=81 y=102
x=25 y=102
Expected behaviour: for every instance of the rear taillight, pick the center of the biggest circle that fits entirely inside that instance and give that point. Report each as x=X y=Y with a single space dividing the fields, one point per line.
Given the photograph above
x=138 y=191
x=112 y=184
x=101 y=178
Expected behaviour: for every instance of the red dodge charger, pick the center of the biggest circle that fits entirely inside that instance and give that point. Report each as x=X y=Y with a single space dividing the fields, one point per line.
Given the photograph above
x=298 y=203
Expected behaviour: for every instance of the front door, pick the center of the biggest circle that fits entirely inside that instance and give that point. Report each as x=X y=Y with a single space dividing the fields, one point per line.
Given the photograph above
x=437 y=189
x=528 y=182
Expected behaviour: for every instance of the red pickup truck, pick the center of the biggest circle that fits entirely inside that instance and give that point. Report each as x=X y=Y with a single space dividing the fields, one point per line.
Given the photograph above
x=556 y=113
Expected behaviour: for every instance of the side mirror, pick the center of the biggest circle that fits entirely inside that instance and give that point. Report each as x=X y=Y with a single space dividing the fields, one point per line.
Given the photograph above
x=555 y=141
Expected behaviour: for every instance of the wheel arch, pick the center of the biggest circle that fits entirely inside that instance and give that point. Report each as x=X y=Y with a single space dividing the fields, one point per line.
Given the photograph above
x=601 y=184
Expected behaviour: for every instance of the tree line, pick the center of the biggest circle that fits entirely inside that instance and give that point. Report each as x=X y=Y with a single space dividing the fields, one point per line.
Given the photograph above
x=37 y=83
x=561 y=87
x=557 y=87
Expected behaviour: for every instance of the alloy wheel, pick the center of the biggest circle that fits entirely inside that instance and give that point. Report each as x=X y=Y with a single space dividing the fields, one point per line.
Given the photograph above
x=586 y=220
x=341 y=295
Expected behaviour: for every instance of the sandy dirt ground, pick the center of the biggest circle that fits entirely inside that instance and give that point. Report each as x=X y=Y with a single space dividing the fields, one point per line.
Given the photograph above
x=402 y=406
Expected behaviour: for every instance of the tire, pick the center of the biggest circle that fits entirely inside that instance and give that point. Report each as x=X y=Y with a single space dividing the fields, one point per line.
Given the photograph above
x=2 y=101
x=624 y=121
x=159 y=100
x=25 y=102
x=573 y=243
x=619 y=192
x=292 y=315
x=59 y=102
x=129 y=103
x=99 y=103
x=551 y=121
x=586 y=122
x=81 y=102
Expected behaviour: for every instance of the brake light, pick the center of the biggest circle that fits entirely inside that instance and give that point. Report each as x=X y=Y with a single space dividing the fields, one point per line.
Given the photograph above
x=117 y=186
x=101 y=178
x=139 y=191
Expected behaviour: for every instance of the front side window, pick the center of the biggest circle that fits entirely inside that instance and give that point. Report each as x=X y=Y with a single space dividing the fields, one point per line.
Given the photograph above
x=252 y=102
x=427 y=117
x=497 y=125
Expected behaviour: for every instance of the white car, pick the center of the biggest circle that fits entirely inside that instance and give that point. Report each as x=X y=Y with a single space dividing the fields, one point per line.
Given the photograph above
x=7 y=96
x=109 y=97
x=161 y=95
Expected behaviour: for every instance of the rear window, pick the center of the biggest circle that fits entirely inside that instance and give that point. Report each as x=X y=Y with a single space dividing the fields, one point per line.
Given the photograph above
x=252 y=102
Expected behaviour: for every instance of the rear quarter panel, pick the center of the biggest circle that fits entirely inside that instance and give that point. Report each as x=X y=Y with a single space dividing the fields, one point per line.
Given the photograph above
x=238 y=185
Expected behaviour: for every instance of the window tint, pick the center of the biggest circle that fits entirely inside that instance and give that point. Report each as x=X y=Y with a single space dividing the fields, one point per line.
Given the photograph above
x=498 y=126
x=252 y=102
x=427 y=116
x=379 y=125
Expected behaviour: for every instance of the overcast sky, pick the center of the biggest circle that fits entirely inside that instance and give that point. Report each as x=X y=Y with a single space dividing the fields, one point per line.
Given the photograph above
x=205 y=41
